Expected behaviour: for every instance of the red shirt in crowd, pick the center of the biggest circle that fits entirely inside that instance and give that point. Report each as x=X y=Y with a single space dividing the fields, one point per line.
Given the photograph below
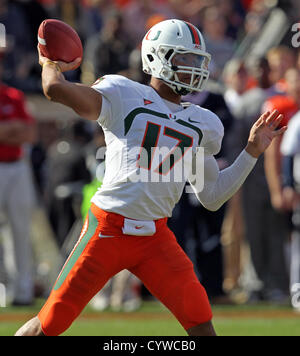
x=285 y=105
x=12 y=107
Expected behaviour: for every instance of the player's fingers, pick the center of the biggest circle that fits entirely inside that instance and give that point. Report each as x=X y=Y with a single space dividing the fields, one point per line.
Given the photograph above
x=39 y=52
x=77 y=61
x=263 y=118
x=280 y=132
x=276 y=122
x=71 y=65
x=42 y=59
x=272 y=117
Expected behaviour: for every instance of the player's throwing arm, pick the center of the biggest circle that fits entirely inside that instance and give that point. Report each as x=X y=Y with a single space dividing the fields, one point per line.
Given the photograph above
x=55 y=58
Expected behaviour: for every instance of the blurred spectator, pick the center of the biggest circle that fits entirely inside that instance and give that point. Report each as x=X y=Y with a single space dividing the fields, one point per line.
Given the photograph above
x=28 y=76
x=96 y=168
x=121 y=292
x=38 y=159
x=16 y=188
x=247 y=4
x=153 y=20
x=93 y=15
x=135 y=71
x=66 y=175
x=108 y=51
x=290 y=149
x=236 y=82
x=136 y=14
x=298 y=59
x=34 y=13
x=77 y=16
x=188 y=10
x=135 y=67
x=218 y=44
x=193 y=224
x=47 y=132
x=234 y=13
x=17 y=61
x=287 y=105
x=73 y=13
x=265 y=229
x=257 y=13
x=280 y=60
x=95 y=18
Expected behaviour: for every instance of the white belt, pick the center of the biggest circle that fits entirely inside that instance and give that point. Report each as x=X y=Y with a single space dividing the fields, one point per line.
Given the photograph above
x=139 y=227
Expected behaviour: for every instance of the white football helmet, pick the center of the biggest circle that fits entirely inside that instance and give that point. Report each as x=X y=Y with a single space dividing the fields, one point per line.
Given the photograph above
x=174 y=51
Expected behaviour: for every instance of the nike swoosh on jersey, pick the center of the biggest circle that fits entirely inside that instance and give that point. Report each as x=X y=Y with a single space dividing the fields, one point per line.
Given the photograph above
x=193 y=121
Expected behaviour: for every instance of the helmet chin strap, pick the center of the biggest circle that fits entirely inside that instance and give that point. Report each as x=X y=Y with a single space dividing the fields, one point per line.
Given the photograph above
x=175 y=87
x=181 y=91
x=178 y=89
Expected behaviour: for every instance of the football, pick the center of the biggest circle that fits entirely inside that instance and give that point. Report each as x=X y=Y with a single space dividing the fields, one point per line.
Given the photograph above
x=58 y=41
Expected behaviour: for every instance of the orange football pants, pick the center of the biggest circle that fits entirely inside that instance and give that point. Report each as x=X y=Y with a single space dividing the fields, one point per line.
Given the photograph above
x=157 y=260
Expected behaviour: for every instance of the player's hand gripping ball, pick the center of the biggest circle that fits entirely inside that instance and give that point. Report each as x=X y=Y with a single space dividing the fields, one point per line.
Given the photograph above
x=59 y=42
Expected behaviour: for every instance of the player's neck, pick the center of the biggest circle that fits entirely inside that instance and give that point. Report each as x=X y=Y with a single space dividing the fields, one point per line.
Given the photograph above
x=164 y=91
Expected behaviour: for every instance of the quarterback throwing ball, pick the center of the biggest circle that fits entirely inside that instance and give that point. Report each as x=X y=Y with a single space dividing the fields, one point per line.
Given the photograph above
x=126 y=227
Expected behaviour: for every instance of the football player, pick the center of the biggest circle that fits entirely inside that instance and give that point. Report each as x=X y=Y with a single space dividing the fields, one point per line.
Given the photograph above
x=127 y=224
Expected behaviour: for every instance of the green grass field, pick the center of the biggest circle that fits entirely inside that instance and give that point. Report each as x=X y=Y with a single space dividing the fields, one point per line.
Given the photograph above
x=154 y=320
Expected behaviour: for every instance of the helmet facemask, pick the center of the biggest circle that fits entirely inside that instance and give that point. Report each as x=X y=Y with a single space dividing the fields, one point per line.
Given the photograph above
x=183 y=70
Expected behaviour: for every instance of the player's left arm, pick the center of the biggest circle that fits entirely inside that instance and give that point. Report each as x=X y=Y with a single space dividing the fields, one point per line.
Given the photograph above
x=220 y=186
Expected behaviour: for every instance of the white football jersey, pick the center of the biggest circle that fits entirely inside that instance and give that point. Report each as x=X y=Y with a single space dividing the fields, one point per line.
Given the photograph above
x=146 y=147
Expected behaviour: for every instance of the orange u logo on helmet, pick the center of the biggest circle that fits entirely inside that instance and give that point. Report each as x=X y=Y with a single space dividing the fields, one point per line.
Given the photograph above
x=153 y=37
